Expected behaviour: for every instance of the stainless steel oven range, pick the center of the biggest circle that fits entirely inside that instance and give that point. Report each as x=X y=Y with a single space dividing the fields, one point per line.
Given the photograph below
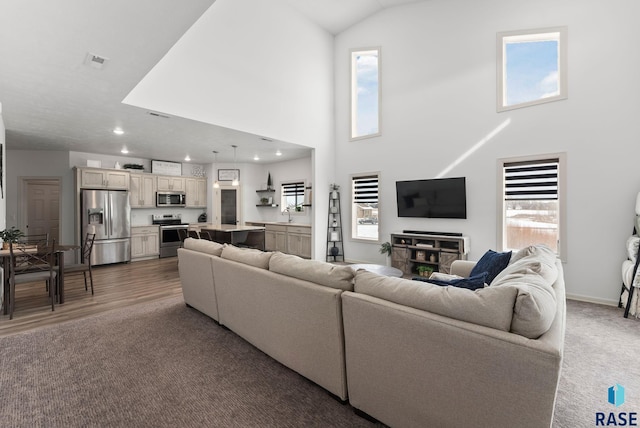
x=169 y=238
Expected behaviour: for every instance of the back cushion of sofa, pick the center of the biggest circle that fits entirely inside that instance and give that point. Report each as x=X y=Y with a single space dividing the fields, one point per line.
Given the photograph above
x=532 y=271
x=203 y=246
x=248 y=256
x=315 y=271
x=490 y=307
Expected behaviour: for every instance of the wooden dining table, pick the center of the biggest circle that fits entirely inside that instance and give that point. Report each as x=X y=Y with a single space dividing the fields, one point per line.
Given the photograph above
x=5 y=255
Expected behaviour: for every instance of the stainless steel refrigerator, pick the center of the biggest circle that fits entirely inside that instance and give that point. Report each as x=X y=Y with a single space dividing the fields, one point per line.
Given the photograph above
x=107 y=213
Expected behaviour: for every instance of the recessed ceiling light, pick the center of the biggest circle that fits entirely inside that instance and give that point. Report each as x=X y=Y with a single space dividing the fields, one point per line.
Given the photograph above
x=124 y=151
x=187 y=159
x=256 y=158
x=118 y=131
x=278 y=153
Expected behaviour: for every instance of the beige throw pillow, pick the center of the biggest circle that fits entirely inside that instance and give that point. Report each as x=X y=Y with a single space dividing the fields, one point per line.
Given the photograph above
x=319 y=272
x=204 y=246
x=248 y=256
x=490 y=307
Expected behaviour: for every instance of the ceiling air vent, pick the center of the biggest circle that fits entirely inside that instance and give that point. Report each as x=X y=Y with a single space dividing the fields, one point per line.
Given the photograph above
x=95 y=61
x=156 y=114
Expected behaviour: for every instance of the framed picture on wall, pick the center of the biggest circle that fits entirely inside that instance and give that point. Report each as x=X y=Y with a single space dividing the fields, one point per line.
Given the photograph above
x=228 y=174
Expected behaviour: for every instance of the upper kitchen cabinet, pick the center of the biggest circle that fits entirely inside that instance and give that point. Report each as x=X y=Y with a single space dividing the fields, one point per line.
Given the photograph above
x=166 y=183
x=95 y=178
x=143 y=191
x=196 y=193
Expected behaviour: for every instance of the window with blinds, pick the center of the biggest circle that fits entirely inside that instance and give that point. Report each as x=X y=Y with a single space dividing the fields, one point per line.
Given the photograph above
x=292 y=196
x=364 y=213
x=531 y=203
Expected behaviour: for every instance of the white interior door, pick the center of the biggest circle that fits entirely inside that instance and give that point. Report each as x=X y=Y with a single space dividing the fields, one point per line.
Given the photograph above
x=228 y=205
x=43 y=207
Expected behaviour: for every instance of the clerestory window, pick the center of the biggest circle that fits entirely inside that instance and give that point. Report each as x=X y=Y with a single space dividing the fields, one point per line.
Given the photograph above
x=531 y=67
x=365 y=93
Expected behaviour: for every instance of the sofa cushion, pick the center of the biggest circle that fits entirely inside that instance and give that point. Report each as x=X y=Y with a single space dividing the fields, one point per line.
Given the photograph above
x=203 y=246
x=470 y=283
x=532 y=273
x=248 y=256
x=492 y=263
x=319 y=272
x=490 y=307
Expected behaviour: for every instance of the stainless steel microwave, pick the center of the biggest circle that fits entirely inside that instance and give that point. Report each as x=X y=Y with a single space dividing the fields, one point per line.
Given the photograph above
x=170 y=199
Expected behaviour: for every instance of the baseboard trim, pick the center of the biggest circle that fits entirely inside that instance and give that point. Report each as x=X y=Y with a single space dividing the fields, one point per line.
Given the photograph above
x=596 y=300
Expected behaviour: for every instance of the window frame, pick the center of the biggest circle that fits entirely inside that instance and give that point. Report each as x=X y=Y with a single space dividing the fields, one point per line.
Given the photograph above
x=353 y=214
x=353 y=89
x=530 y=35
x=562 y=198
x=298 y=184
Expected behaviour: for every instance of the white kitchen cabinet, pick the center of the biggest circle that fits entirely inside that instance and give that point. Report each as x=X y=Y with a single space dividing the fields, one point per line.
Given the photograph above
x=145 y=242
x=168 y=183
x=142 y=191
x=196 y=192
x=96 y=178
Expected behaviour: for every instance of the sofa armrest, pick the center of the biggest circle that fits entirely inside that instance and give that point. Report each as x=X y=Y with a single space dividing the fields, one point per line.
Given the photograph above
x=462 y=267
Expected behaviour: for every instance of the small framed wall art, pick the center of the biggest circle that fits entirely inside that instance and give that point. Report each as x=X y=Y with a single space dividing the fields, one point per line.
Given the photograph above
x=228 y=174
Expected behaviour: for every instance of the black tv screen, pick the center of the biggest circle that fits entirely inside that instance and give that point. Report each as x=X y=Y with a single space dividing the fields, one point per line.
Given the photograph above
x=435 y=198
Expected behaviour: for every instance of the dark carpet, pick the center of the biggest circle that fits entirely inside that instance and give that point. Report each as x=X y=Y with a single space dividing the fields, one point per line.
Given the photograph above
x=163 y=364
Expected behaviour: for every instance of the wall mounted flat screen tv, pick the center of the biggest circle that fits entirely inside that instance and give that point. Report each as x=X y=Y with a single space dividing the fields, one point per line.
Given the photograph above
x=435 y=198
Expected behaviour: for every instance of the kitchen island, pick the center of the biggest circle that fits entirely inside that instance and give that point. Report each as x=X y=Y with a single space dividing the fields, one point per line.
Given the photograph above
x=240 y=236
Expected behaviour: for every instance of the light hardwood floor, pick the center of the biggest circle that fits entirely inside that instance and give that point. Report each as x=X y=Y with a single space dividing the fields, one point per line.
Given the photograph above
x=115 y=286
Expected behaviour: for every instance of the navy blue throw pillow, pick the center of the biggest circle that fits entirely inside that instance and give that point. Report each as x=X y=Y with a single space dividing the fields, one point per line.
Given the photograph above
x=470 y=283
x=492 y=263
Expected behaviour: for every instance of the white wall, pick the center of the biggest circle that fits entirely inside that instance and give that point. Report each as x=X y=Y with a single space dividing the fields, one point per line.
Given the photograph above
x=3 y=177
x=254 y=66
x=438 y=100
x=294 y=170
x=49 y=164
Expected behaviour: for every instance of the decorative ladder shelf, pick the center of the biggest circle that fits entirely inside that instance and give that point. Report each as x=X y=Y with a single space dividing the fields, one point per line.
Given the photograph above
x=335 y=249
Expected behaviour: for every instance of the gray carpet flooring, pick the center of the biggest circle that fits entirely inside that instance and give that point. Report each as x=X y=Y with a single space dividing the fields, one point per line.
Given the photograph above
x=163 y=364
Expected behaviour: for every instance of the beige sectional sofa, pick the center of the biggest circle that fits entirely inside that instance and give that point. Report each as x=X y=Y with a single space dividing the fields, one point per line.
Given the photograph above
x=265 y=299
x=405 y=352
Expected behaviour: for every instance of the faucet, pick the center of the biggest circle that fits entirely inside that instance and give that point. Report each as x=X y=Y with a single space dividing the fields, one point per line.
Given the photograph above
x=288 y=211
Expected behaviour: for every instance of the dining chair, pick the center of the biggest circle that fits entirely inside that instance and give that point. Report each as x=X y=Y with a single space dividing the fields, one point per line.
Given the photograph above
x=182 y=235
x=194 y=234
x=85 y=266
x=28 y=264
x=204 y=234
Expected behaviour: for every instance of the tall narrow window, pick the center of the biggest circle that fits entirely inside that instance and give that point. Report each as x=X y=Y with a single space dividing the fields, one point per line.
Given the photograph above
x=364 y=210
x=532 y=202
x=365 y=93
x=531 y=67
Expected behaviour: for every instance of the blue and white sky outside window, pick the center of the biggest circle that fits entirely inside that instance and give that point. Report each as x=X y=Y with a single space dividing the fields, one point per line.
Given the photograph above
x=531 y=67
x=365 y=93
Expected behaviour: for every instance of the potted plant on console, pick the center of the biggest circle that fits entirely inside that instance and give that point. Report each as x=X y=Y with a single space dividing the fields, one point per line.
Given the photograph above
x=424 y=270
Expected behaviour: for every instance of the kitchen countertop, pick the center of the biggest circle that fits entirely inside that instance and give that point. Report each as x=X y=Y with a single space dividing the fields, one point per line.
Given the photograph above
x=226 y=227
x=277 y=223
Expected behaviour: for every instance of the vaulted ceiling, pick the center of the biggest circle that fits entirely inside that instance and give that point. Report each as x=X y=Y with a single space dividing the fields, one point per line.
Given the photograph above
x=55 y=95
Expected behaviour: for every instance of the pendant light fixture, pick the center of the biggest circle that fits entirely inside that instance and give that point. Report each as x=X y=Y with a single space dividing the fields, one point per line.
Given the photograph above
x=236 y=181
x=216 y=185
